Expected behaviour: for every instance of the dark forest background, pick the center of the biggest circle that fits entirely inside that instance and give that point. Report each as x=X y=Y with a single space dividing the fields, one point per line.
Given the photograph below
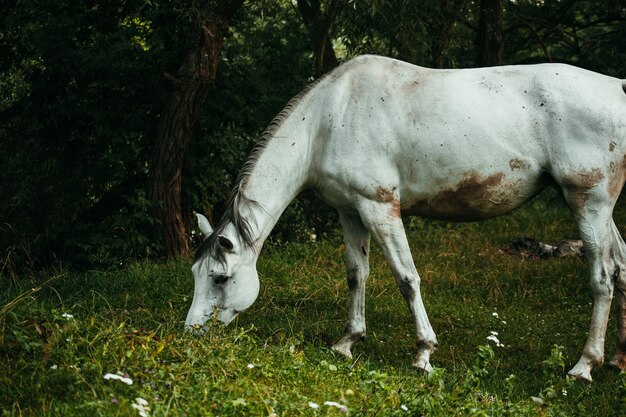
x=119 y=118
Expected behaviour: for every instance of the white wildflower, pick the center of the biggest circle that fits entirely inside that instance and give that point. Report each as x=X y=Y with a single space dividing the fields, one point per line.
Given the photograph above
x=313 y=405
x=495 y=314
x=494 y=338
x=404 y=407
x=124 y=379
x=250 y=366
x=341 y=407
x=54 y=367
x=141 y=405
x=564 y=392
x=537 y=400
x=67 y=316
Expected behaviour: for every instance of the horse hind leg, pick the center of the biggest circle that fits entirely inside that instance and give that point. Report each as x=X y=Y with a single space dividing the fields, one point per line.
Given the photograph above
x=619 y=253
x=592 y=207
x=357 y=247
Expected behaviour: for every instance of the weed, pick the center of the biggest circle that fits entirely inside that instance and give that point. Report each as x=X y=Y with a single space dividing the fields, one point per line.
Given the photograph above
x=60 y=338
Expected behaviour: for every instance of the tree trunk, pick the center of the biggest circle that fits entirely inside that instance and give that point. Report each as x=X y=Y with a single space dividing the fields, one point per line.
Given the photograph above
x=318 y=23
x=191 y=88
x=490 y=36
x=450 y=15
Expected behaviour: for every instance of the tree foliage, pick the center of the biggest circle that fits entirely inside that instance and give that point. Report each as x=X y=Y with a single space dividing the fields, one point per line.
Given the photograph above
x=83 y=86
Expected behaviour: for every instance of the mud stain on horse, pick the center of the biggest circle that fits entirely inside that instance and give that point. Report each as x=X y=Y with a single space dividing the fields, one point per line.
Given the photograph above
x=618 y=176
x=612 y=146
x=475 y=197
x=388 y=195
x=518 y=164
x=578 y=184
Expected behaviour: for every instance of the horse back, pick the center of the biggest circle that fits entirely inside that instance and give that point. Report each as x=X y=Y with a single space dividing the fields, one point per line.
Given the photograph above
x=460 y=144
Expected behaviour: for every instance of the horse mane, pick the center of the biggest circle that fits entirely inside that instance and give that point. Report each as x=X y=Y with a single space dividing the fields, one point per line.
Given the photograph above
x=232 y=215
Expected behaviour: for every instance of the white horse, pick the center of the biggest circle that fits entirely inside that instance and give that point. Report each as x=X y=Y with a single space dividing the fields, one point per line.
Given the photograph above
x=378 y=138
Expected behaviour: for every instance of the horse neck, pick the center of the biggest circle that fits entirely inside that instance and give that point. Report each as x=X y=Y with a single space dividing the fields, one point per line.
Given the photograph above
x=278 y=175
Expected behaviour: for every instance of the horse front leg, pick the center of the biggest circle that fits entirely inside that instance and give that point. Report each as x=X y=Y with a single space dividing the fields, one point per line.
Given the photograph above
x=357 y=248
x=384 y=222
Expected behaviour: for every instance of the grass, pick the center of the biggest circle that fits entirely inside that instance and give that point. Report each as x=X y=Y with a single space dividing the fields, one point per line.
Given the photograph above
x=62 y=331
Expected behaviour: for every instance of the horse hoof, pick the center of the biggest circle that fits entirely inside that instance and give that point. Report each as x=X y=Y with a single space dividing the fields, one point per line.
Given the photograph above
x=423 y=366
x=342 y=349
x=581 y=373
x=618 y=362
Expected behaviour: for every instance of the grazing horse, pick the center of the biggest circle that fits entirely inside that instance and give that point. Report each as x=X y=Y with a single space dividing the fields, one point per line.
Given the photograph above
x=378 y=138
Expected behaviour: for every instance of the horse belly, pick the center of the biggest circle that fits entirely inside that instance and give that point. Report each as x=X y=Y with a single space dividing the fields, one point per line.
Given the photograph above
x=475 y=197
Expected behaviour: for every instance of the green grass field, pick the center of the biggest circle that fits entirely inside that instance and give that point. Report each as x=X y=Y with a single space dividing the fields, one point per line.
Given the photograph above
x=61 y=332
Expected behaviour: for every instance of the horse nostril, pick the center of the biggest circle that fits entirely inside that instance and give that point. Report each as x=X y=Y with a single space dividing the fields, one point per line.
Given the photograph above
x=220 y=279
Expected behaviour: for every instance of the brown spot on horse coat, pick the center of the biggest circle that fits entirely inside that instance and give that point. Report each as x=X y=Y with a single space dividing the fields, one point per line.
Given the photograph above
x=612 y=146
x=387 y=195
x=579 y=183
x=475 y=197
x=517 y=164
x=618 y=176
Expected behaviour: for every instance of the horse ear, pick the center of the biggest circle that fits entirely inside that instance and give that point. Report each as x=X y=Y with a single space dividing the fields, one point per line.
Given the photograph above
x=203 y=224
x=225 y=243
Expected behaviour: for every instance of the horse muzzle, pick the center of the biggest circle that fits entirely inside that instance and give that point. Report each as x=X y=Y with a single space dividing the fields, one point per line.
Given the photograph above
x=196 y=320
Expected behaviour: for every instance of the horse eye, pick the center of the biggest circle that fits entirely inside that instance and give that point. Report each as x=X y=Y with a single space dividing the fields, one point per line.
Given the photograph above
x=220 y=279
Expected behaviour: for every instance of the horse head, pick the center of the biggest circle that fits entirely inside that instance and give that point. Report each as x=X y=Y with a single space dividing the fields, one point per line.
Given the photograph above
x=225 y=277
